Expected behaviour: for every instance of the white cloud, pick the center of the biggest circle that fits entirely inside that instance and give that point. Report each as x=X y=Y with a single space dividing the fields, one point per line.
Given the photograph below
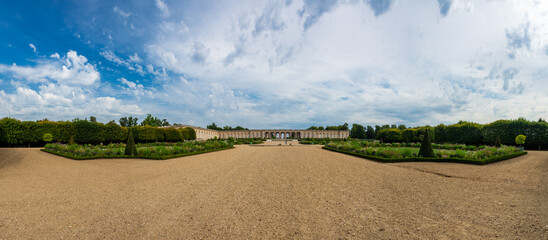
x=55 y=55
x=134 y=89
x=122 y=13
x=59 y=88
x=163 y=7
x=351 y=65
x=135 y=58
x=72 y=69
x=33 y=47
x=130 y=64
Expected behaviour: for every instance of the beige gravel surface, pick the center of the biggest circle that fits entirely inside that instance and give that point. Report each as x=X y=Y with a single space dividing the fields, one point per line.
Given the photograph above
x=285 y=192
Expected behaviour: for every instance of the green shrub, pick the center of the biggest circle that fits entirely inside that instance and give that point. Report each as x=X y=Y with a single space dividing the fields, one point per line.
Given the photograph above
x=112 y=132
x=173 y=135
x=47 y=137
x=520 y=139
x=130 y=146
x=426 y=149
x=88 y=132
x=497 y=142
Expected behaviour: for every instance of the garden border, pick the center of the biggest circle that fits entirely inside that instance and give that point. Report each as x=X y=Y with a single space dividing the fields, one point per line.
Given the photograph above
x=422 y=159
x=132 y=156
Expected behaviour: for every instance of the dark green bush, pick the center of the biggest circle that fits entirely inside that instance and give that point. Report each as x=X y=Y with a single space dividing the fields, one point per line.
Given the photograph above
x=112 y=132
x=173 y=135
x=390 y=135
x=130 y=146
x=357 y=132
x=88 y=132
x=426 y=149
x=48 y=137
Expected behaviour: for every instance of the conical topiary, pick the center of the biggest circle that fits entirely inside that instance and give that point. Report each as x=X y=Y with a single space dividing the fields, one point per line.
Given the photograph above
x=497 y=142
x=130 y=146
x=426 y=146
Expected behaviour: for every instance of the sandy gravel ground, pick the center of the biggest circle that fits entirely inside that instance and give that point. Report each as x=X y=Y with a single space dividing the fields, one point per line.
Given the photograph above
x=270 y=192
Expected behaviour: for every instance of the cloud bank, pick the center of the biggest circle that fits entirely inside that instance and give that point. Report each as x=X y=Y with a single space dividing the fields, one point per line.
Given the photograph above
x=266 y=64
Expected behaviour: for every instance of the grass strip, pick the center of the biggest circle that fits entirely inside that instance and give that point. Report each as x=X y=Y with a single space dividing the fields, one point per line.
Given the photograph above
x=423 y=159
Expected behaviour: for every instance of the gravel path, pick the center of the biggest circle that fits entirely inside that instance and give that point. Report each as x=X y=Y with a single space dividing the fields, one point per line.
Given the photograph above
x=270 y=192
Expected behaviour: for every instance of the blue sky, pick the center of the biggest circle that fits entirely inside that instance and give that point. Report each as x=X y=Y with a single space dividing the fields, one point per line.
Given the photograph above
x=275 y=64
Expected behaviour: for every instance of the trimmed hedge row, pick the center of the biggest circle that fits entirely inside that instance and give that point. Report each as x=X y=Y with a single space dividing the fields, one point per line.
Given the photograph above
x=474 y=134
x=27 y=133
x=133 y=156
x=423 y=159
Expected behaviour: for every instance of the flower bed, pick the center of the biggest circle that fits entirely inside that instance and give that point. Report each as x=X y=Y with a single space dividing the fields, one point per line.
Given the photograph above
x=406 y=153
x=160 y=150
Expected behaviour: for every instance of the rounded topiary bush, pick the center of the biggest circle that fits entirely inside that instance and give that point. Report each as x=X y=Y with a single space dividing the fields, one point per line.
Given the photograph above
x=47 y=137
x=520 y=139
x=426 y=149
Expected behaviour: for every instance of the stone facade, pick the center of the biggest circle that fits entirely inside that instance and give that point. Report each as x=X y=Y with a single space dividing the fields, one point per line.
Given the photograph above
x=204 y=133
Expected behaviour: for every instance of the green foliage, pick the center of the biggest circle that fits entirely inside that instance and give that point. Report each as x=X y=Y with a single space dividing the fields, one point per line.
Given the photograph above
x=370 y=133
x=112 y=132
x=357 y=132
x=47 y=137
x=130 y=146
x=145 y=133
x=390 y=135
x=462 y=132
x=410 y=135
x=30 y=133
x=497 y=142
x=426 y=149
x=191 y=133
x=226 y=128
x=173 y=135
x=88 y=132
x=343 y=127
x=154 y=121
x=11 y=131
x=128 y=121
x=132 y=150
x=214 y=126
x=402 y=152
x=520 y=139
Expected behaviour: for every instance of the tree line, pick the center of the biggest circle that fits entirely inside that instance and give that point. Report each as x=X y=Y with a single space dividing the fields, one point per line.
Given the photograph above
x=461 y=133
x=213 y=126
x=343 y=127
x=14 y=132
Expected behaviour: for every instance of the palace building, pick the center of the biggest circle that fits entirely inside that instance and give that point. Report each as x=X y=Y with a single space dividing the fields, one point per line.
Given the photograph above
x=204 y=133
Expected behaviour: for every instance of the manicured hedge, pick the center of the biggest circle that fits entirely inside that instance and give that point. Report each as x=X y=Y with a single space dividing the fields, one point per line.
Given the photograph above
x=474 y=134
x=141 y=157
x=14 y=132
x=423 y=159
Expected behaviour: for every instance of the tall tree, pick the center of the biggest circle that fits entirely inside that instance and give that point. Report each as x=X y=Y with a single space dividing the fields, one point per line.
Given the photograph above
x=357 y=131
x=154 y=121
x=370 y=132
x=214 y=127
x=128 y=121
